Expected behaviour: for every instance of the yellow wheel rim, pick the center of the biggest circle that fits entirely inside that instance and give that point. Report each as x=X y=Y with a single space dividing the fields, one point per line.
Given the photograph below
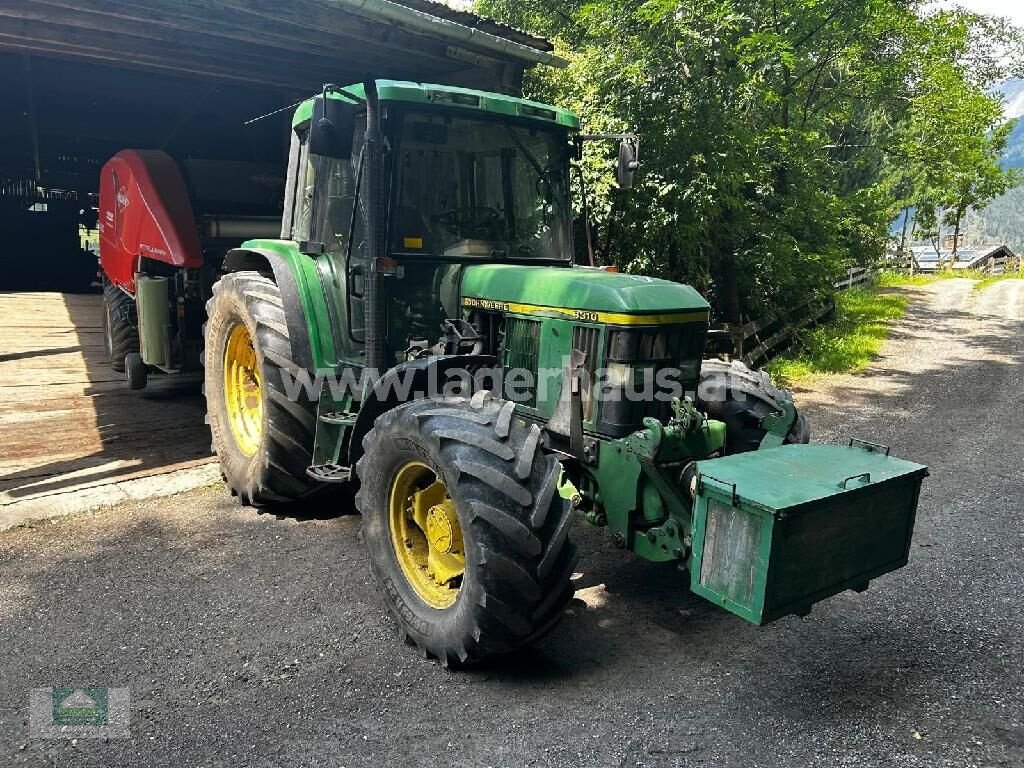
x=426 y=535
x=243 y=395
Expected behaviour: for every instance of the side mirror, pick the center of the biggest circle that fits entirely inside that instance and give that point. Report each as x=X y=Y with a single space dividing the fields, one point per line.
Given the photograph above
x=629 y=162
x=332 y=128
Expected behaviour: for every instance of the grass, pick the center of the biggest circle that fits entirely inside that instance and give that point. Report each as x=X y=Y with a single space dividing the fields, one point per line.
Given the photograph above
x=861 y=326
x=982 y=280
x=986 y=280
x=846 y=344
x=896 y=279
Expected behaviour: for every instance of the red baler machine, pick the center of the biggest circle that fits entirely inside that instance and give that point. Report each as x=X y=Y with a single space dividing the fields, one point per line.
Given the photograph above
x=164 y=229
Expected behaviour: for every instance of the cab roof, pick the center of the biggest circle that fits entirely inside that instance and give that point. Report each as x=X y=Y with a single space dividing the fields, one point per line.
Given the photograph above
x=452 y=96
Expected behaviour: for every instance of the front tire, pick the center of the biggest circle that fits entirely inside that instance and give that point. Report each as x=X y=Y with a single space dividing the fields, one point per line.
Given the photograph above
x=466 y=532
x=741 y=397
x=264 y=440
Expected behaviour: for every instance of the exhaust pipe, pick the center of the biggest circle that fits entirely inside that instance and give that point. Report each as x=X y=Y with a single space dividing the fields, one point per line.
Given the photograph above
x=376 y=333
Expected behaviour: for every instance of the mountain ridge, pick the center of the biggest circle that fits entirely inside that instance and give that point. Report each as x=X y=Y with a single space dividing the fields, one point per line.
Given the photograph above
x=1002 y=221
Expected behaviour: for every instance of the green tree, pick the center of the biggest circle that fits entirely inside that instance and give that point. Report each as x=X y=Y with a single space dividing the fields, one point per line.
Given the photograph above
x=953 y=136
x=769 y=132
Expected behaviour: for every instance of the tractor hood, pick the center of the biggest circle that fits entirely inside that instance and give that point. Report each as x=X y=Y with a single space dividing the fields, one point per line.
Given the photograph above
x=582 y=292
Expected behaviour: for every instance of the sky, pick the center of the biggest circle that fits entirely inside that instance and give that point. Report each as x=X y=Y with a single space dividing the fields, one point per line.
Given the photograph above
x=1012 y=9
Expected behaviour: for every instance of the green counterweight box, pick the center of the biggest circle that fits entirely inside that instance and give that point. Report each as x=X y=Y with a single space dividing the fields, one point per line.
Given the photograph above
x=777 y=530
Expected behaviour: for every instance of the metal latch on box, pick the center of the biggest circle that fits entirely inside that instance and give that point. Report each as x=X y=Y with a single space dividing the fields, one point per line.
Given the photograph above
x=867 y=445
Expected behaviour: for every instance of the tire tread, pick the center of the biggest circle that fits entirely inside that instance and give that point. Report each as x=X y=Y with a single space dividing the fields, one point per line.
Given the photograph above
x=124 y=337
x=510 y=513
x=278 y=473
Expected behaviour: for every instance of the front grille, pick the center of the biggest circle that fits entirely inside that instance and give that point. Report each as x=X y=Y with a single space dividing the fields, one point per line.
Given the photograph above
x=666 y=345
x=649 y=351
x=521 y=347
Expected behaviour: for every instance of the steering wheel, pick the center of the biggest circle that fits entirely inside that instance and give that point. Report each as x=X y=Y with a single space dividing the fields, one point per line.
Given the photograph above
x=470 y=221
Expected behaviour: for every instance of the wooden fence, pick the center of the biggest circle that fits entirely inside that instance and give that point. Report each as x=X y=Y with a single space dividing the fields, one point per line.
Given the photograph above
x=856 y=276
x=1008 y=266
x=906 y=263
x=1000 y=262
x=756 y=342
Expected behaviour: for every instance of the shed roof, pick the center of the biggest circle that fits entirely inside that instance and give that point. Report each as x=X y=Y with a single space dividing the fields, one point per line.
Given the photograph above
x=84 y=79
x=479 y=22
x=295 y=44
x=967 y=258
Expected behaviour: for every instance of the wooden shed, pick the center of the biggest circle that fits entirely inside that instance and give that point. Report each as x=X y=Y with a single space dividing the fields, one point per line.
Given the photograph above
x=83 y=79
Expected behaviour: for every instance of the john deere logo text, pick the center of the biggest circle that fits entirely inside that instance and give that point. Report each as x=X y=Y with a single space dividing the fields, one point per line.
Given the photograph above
x=500 y=306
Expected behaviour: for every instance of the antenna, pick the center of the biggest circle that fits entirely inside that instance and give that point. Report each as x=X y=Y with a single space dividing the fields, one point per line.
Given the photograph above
x=328 y=88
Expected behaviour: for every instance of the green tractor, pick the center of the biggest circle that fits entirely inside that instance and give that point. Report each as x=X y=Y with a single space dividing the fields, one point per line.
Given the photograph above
x=420 y=330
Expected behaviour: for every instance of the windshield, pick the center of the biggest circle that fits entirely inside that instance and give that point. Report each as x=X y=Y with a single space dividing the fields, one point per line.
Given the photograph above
x=480 y=189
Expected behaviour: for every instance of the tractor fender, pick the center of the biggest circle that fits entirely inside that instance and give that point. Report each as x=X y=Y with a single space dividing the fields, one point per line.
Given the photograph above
x=388 y=392
x=265 y=260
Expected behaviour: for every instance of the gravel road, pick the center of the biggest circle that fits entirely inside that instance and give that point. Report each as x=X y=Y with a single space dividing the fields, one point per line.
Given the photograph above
x=255 y=640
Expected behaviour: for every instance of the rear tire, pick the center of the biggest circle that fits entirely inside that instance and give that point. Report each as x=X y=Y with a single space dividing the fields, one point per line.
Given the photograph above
x=120 y=335
x=741 y=397
x=512 y=527
x=264 y=440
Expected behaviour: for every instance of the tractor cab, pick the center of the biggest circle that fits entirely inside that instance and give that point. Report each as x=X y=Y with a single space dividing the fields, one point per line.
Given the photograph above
x=466 y=188
x=464 y=177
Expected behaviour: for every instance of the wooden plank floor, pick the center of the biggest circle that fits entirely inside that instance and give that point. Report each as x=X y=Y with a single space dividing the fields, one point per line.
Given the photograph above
x=67 y=421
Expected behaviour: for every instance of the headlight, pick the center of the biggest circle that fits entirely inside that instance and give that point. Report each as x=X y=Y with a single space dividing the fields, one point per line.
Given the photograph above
x=618 y=374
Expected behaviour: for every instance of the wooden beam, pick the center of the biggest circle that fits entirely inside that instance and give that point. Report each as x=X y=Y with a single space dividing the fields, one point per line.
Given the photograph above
x=269 y=73
x=91 y=30
x=199 y=70
x=303 y=16
x=204 y=27
x=298 y=18
x=127 y=12
x=97 y=81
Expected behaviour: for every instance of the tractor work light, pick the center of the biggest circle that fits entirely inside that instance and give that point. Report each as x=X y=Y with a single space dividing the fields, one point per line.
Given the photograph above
x=528 y=110
x=459 y=99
